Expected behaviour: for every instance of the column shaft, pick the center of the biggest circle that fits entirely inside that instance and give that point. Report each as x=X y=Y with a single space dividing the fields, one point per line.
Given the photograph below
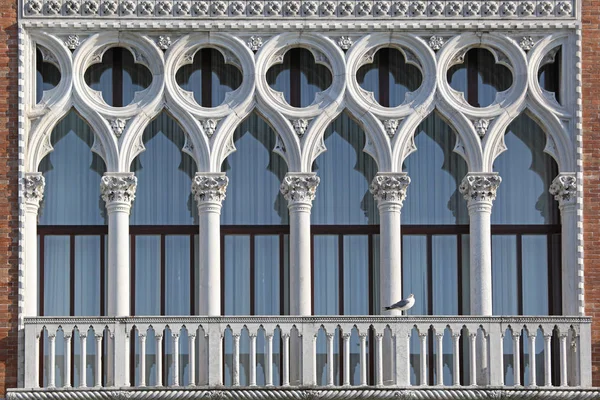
x=33 y=194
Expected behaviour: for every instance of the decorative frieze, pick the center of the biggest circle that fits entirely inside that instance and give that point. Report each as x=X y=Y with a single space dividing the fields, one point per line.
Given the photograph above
x=296 y=8
x=209 y=187
x=118 y=188
x=480 y=187
x=564 y=189
x=390 y=187
x=33 y=192
x=299 y=187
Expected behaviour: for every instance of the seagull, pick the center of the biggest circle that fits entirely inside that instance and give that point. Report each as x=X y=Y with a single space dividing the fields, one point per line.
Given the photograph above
x=402 y=305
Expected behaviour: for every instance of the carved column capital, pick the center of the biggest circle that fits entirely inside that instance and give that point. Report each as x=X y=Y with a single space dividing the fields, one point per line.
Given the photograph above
x=480 y=187
x=118 y=190
x=33 y=193
x=564 y=189
x=209 y=188
x=390 y=188
x=299 y=188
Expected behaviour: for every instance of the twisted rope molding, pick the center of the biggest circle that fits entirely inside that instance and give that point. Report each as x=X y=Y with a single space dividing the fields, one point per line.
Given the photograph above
x=306 y=394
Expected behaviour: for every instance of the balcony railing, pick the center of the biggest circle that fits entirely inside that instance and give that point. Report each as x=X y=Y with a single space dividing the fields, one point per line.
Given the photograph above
x=399 y=352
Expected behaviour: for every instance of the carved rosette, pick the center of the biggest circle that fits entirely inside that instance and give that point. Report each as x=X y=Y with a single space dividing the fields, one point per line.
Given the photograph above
x=209 y=187
x=480 y=187
x=388 y=188
x=564 y=189
x=33 y=192
x=299 y=188
x=118 y=190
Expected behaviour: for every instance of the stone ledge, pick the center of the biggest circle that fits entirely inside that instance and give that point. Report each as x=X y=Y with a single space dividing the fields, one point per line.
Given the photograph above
x=279 y=393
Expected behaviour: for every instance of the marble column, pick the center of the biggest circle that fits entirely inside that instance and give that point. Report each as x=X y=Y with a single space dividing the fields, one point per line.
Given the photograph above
x=479 y=189
x=209 y=191
x=33 y=194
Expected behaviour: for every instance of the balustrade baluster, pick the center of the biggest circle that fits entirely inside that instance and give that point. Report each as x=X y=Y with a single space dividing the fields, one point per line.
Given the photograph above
x=175 y=337
x=98 y=372
x=158 y=336
x=548 y=358
x=516 y=335
x=439 y=336
x=363 y=358
x=563 y=359
x=192 y=357
x=269 y=369
x=236 y=359
x=473 y=354
x=252 y=359
x=286 y=360
x=423 y=360
x=456 y=358
x=142 y=359
x=330 y=359
x=379 y=352
x=83 y=359
x=532 y=366
x=67 y=368
x=346 y=339
x=52 y=360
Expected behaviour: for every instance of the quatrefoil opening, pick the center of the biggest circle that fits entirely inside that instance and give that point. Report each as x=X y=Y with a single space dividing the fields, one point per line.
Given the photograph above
x=300 y=77
x=47 y=73
x=390 y=77
x=480 y=76
x=119 y=76
x=210 y=77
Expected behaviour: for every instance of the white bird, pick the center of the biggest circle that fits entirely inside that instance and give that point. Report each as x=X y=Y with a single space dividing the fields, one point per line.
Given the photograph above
x=403 y=305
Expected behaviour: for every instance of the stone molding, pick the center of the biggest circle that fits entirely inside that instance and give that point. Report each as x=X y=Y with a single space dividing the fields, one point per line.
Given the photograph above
x=389 y=187
x=564 y=189
x=118 y=188
x=33 y=189
x=480 y=187
x=299 y=188
x=209 y=187
x=329 y=9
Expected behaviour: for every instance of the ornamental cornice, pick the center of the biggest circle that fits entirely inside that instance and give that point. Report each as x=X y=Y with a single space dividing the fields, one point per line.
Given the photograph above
x=209 y=187
x=33 y=189
x=312 y=9
x=390 y=187
x=299 y=187
x=118 y=189
x=564 y=189
x=480 y=187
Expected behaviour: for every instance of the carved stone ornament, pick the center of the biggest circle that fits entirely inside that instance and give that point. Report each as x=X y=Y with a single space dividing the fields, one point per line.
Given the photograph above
x=481 y=126
x=526 y=43
x=33 y=192
x=436 y=42
x=72 y=42
x=118 y=188
x=209 y=126
x=345 y=42
x=300 y=126
x=209 y=187
x=390 y=187
x=255 y=43
x=480 y=187
x=564 y=188
x=164 y=42
x=299 y=187
x=118 y=126
x=391 y=125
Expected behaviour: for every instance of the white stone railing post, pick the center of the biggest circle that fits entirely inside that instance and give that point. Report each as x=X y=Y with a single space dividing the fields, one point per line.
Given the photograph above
x=389 y=189
x=479 y=189
x=33 y=194
x=209 y=191
x=118 y=192
x=564 y=190
x=299 y=190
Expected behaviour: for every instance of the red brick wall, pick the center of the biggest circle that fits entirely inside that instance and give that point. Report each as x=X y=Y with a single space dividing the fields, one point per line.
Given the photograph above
x=591 y=173
x=8 y=200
